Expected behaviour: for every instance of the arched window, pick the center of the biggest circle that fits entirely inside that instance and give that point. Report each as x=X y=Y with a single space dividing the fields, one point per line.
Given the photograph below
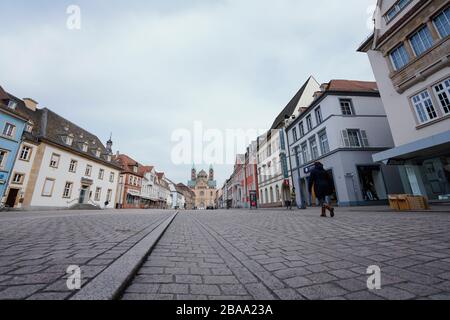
x=271 y=195
x=266 y=196
x=278 y=193
x=261 y=197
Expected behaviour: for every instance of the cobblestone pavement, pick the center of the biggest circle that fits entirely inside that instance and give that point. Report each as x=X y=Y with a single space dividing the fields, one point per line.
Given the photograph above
x=277 y=254
x=37 y=248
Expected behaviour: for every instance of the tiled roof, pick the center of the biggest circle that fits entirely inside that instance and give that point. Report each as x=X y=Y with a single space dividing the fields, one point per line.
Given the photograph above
x=49 y=126
x=144 y=169
x=127 y=163
x=3 y=94
x=351 y=86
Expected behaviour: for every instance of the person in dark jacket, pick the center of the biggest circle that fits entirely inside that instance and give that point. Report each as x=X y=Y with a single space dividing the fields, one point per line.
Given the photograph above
x=323 y=187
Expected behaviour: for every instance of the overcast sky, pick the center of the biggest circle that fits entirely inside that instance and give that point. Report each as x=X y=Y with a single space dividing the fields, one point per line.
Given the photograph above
x=142 y=69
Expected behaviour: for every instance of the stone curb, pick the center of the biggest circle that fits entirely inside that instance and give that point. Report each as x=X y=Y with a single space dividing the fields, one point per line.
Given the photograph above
x=109 y=284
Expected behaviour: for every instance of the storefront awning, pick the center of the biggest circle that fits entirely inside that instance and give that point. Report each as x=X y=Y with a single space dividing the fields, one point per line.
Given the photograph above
x=134 y=193
x=433 y=146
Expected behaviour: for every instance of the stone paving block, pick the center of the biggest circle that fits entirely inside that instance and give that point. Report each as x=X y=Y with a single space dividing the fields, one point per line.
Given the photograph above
x=343 y=274
x=35 y=278
x=205 y=289
x=298 y=282
x=143 y=288
x=393 y=293
x=152 y=270
x=188 y=279
x=259 y=292
x=220 y=280
x=154 y=278
x=417 y=289
x=288 y=294
x=322 y=291
x=46 y=296
x=321 y=277
x=291 y=272
x=362 y=295
x=233 y=289
x=191 y=297
x=174 y=288
x=275 y=266
x=440 y=296
x=145 y=297
x=19 y=292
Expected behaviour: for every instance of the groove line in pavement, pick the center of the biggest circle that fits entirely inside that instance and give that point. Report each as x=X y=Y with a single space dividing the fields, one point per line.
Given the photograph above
x=109 y=284
x=249 y=264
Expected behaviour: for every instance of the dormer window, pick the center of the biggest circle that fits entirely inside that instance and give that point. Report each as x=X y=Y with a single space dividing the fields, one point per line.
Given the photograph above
x=84 y=147
x=68 y=140
x=109 y=158
x=29 y=127
x=12 y=104
x=98 y=153
x=135 y=169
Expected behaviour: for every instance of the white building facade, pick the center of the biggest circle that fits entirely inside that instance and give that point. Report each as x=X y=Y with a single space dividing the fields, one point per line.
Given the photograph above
x=274 y=173
x=344 y=126
x=409 y=53
x=60 y=165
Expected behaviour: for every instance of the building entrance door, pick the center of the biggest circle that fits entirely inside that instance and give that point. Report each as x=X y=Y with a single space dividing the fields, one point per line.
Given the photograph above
x=83 y=194
x=12 y=197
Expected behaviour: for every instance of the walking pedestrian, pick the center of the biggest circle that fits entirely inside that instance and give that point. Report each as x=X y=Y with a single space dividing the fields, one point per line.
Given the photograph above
x=323 y=187
x=293 y=198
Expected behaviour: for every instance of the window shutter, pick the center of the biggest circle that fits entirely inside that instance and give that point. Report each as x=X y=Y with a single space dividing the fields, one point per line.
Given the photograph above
x=345 y=138
x=365 y=140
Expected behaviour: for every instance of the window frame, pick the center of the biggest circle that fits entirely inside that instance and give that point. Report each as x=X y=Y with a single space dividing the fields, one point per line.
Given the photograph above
x=309 y=123
x=358 y=136
x=71 y=184
x=58 y=156
x=52 y=189
x=11 y=134
x=98 y=194
x=30 y=152
x=101 y=174
x=75 y=162
x=318 y=114
x=301 y=127
x=418 y=34
x=351 y=107
x=439 y=95
x=4 y=159
x=421 y=104
x=294 y=134
x=435 y=25
x=88 y=173
x=321 y=134
x=21 y=180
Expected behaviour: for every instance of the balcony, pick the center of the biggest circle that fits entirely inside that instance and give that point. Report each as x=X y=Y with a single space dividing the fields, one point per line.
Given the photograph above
x=418 y=69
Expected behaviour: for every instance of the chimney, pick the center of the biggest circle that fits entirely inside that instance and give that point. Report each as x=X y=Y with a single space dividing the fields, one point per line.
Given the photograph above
x=30 y=103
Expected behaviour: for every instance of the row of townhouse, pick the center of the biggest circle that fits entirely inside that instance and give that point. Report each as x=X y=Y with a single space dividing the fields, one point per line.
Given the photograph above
x=374 y=138
x=341 y=124
x=48 y=162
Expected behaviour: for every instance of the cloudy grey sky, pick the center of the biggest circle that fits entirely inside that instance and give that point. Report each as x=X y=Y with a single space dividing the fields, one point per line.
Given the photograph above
x=142 y=69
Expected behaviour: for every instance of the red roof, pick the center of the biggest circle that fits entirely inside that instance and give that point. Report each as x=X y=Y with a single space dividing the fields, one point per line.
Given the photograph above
x=126 y=162
x=145 y=169
x=351 y=85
